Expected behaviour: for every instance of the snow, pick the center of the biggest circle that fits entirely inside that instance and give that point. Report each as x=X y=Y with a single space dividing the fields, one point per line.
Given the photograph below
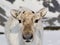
x=1 y=28
x=3 y=40
x=51 y=38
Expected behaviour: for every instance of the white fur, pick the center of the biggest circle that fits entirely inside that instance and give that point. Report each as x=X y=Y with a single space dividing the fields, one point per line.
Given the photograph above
x=13 y=33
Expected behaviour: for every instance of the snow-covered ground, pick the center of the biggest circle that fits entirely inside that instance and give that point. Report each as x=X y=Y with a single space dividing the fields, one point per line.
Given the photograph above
x=51 y=38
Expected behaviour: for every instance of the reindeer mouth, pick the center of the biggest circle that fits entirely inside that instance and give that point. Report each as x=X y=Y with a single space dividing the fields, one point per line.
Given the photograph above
x=28 y=40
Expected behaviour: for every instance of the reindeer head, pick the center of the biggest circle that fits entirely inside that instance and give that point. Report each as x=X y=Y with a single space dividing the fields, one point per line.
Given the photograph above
x=29 y=19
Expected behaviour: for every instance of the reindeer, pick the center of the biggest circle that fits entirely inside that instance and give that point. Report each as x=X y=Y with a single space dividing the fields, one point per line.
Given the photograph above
x=24 y=27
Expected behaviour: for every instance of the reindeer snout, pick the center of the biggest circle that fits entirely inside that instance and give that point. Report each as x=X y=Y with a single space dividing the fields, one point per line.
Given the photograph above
x=28 y=36
x=27 y=33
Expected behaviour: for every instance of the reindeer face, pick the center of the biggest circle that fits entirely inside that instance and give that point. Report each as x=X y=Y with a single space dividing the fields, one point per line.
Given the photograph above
x=28 y=18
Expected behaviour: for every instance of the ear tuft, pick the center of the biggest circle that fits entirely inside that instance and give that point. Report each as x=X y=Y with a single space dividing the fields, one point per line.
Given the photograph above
x=42 y=12
x=14 y=13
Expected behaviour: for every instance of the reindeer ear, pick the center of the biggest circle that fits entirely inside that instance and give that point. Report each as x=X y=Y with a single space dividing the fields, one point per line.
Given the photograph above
x=42 y=12
x=14 y=13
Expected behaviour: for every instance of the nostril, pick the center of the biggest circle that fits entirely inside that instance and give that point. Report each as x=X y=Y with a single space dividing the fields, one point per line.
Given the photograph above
x=24 y=37
x=31 y=37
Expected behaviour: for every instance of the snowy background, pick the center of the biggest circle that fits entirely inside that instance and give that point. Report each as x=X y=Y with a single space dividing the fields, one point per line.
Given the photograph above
x=51 y=19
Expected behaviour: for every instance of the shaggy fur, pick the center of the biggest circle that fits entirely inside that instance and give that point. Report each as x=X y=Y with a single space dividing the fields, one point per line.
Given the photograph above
x=23 y=23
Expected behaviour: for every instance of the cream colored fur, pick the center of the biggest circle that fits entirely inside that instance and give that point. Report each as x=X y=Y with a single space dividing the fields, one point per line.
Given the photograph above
x=13 y=29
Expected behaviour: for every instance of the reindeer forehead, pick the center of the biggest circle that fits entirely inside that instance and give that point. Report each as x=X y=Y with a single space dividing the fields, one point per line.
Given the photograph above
x=27 y=15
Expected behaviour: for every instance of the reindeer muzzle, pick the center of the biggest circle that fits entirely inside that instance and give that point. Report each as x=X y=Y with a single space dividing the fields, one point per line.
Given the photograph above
x=27 y=37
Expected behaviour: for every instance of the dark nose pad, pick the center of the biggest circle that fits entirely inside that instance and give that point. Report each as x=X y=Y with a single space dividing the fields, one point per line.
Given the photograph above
x=27 y=37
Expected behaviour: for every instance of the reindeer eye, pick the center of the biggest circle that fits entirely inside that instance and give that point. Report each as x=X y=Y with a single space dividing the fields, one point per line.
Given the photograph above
x=32 y=11
x=23 y=12
x=36 y=21
x=19 y=21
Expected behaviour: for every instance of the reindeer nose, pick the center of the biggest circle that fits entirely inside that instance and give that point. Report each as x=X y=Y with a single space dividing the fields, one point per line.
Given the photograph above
x=28 y=36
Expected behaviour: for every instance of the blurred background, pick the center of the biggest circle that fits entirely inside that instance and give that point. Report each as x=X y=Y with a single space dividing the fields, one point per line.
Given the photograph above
x=51 y=22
